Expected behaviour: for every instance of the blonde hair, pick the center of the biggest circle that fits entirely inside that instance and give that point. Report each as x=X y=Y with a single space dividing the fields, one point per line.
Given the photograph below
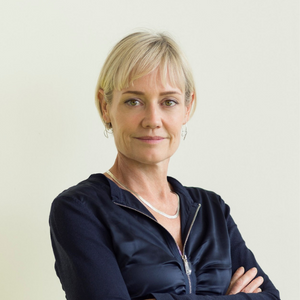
x=139 y=54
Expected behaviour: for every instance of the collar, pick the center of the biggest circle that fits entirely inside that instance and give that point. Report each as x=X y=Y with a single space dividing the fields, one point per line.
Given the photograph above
x=188 y=206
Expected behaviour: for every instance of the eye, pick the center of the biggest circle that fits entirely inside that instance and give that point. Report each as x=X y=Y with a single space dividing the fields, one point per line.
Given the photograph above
x=132 y=102
x=170 y=102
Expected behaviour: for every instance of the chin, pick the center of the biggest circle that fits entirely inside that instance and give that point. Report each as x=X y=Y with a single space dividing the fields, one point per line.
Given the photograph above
x=152 y=159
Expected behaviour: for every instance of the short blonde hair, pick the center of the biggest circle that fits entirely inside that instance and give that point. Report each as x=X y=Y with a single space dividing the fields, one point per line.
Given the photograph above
x=139 y=54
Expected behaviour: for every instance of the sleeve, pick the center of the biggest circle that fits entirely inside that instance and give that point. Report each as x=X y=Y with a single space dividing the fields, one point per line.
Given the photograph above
x=85 y=262
x=241 y=256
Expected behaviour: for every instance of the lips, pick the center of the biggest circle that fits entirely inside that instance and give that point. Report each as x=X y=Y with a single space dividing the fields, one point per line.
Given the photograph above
x=154 y=138
x=150 y=139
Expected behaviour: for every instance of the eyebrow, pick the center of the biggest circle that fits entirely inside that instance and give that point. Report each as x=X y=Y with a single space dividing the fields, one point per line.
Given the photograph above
x=161 y=94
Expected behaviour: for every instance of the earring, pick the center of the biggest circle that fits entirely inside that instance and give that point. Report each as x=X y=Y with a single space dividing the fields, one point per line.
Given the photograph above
x=108 y=130
x=184 y=131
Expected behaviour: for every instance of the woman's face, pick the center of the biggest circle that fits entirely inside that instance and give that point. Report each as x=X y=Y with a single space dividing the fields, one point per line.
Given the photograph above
x=146 y=119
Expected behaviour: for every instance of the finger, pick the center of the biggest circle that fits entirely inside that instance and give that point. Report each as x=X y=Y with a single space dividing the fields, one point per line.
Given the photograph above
x=237 y=274
x=241 y=283
x=253 y=285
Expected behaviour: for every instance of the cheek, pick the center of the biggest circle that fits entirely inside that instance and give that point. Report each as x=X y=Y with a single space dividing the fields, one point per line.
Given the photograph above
x=175 y=137
x=176 y=126
x=123 y=129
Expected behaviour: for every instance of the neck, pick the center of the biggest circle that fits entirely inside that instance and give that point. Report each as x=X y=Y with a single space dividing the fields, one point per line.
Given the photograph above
x=148 y=180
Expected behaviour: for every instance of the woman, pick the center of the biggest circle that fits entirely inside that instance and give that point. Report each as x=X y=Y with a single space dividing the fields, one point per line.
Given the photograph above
x=133 y=232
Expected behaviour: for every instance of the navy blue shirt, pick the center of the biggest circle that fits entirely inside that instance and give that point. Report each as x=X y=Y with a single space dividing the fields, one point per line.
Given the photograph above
x=107 y=245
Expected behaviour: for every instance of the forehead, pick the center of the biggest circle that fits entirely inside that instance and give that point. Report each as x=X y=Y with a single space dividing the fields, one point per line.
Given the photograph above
x=154 y=82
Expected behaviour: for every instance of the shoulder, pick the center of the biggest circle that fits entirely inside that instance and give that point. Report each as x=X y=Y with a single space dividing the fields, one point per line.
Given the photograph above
x=95 y=185
x=90 y=193
x=207 y=198
x=197 y=194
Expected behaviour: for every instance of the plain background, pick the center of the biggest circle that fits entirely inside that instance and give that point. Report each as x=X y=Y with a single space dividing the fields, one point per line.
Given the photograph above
x=243 y=141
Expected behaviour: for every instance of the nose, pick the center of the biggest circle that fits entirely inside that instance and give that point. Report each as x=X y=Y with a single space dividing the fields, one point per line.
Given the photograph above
x=152 y=118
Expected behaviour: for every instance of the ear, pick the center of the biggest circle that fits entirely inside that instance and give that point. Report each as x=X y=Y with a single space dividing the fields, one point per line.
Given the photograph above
x=103 y=106
x=189 y=108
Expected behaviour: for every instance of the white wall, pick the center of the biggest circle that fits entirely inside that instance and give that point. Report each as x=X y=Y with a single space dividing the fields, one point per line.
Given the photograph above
x=243 y=141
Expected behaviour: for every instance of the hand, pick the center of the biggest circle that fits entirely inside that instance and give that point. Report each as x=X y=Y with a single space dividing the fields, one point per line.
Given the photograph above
x=244 y=282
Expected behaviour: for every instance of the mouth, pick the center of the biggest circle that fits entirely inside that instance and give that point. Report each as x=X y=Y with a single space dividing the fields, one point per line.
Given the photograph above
x=150 y=139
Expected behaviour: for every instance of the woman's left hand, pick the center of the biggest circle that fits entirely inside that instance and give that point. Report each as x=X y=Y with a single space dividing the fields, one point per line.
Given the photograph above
x=245 y=282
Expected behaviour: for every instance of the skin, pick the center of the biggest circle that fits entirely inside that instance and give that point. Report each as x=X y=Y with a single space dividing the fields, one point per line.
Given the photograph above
x=146 y=119
x=147 y=109
x=245 y=282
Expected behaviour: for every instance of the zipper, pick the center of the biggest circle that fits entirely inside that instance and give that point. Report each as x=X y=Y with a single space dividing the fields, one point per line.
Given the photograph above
x=187 y=265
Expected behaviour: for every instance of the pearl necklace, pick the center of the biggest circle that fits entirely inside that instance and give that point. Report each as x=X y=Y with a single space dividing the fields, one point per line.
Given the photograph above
x=144 y=201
